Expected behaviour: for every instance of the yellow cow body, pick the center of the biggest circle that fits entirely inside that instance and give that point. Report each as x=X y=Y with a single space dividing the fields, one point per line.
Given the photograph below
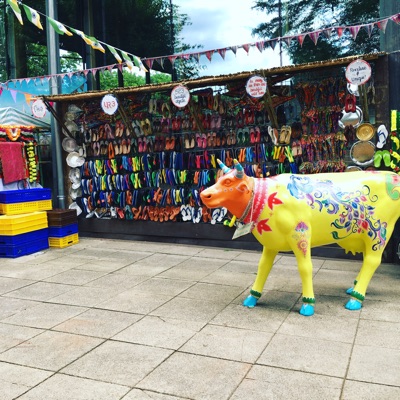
x=356 y=210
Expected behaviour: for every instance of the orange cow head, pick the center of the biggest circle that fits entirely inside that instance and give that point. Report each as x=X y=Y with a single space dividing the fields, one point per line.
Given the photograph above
x=232 y=191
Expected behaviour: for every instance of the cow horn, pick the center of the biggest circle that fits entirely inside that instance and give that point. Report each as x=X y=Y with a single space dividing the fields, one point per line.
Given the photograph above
x=224 y=168
x=239 y=169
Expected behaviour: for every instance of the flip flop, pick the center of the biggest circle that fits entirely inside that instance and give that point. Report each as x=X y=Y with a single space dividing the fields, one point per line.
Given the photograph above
x=386 y=157
x=377 y=158
x=382 y=135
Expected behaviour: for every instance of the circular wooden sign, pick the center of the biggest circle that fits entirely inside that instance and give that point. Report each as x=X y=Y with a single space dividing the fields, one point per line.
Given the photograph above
x=256 y=86
x=180 y=96
x=38 y=108
x=109 y=104
x=358 y=72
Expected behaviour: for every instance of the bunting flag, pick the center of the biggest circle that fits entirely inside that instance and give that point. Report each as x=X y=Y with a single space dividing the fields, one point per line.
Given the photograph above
x=33 y=16
x=287 y=39
x=95 y=44
x=354 y=31
x=17 y=11
x=127 y=59
x=209 y=54
x=314 y=36
x=396 y=19
x=328 y=32
x=172 y=59
x=369 y=28
x=149 y=63
x=382 y=24
x=301 y=38
x=234 y=49
x=246 y=48
x=114 y=53
x=82 y=35
x=272 y=43
x=339 y=31
x=222 y=53
x=260 y=46
x=141 y=65
x=59 y=27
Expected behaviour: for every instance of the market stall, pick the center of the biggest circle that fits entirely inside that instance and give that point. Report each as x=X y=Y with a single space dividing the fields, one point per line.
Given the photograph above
x=24 y=148
x=137 y=159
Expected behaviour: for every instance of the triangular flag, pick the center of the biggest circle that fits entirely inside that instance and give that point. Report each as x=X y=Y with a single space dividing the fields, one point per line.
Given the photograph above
x=369 y=28
x=328 y=32
x=382 y=24
x=260 y=46
x=28 y=97
x=161 y=60
x=16 y=9
x=13 y=95
x=140 y=63
x=339 y=31
x=246 y=47
x=120 y=67
x=354 y=30
x=396 y=18
x=149 y=62
x=114 y=53
x=209 y=54
x=196 y=56
x=59 y=27
x=96 y=44
x=234 y=49
x=127 y=59
x=273 y=43
x=222 y=53
x=172 y=59
x=287 y=39
x=33 y=16
x=82 y=35
x=301 y=38
x=314 y=36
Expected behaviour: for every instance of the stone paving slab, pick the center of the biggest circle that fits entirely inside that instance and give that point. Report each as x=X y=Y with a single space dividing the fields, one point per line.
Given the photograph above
x=125 y=320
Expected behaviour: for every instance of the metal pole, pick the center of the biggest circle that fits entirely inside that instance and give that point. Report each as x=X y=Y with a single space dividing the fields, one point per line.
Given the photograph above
x=55 y=88
x=171 y=20
x=280 y=32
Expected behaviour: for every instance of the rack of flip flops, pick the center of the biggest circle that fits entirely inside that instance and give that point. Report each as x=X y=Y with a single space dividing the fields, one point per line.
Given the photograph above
x=155 y=168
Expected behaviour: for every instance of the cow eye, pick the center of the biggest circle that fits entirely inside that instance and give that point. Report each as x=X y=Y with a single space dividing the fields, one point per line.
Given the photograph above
x=227 y=182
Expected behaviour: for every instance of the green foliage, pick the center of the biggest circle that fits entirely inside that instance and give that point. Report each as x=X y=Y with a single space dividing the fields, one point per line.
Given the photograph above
x=109 y=80
x=300 y=16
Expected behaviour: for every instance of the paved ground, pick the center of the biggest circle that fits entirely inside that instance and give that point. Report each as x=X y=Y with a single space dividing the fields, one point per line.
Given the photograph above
x=109 y=319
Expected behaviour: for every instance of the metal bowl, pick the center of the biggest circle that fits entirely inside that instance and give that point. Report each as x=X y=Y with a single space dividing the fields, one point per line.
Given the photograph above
x=362 y=153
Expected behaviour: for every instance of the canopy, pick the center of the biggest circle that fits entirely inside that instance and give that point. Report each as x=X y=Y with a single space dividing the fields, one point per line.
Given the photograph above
x=12 y=117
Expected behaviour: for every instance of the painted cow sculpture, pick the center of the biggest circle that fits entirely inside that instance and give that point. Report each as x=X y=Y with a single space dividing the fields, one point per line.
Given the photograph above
x=357 y=210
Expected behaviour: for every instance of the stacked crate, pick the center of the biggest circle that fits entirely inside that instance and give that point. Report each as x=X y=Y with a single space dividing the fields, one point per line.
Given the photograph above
x=63 y=228
x=23 y=223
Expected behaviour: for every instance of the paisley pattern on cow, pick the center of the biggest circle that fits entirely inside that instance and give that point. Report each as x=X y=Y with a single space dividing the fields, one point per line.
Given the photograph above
x=302 y=236
x=356 y=214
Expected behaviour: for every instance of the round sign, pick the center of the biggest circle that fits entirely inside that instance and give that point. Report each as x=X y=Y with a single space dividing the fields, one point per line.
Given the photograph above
x=109 y=104
x=358 y=72
x=256 y=86
x=180 y=96
x=38 y=108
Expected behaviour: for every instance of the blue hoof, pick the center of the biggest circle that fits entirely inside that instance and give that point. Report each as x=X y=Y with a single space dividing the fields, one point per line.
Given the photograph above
x=353 y=304
x=307 y=310
x=250 y=301
x=350 y=290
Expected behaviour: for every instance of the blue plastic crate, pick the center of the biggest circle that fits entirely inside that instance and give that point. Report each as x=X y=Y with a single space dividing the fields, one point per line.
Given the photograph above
x=61 y=231
x=24 y=249
x=24 y=195
x=7 y=240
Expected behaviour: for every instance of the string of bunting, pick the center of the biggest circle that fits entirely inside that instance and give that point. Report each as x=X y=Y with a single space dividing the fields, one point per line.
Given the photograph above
x=130 y=60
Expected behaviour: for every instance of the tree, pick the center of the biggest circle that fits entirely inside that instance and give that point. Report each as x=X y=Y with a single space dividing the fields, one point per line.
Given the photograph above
x=300 y=16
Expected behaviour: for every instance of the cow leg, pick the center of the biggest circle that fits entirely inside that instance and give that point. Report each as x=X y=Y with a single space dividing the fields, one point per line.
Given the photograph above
x=372 y=260
x=264 y=268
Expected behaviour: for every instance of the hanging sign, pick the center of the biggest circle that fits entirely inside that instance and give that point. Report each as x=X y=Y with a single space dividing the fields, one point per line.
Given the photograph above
x=256 y=86
x=358 y=72
x=180 y=96
x=109 y=104
x=38 y=108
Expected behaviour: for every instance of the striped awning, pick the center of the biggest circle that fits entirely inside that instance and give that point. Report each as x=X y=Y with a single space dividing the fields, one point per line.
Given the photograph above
x=12 y=117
